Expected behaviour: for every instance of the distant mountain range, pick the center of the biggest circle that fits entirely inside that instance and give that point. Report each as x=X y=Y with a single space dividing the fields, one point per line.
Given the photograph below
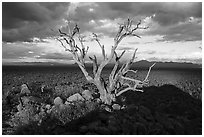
x=140 y=64
x=166 y=65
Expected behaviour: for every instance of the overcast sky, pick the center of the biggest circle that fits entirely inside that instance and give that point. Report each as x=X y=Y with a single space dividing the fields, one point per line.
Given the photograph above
x=29 y=30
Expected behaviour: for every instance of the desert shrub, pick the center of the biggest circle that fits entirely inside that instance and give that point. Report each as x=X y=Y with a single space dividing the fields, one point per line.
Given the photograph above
x=64 y=91
x=35 y=87
x=67 y=113
x=23 y=117
x=63 y=113
x=30 y=113
x=10 y=98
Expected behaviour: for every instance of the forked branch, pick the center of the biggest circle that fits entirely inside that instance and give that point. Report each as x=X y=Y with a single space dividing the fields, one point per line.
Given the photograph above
x=137 y=83
x=78 y=53
x=101 y=46
x=117 y=76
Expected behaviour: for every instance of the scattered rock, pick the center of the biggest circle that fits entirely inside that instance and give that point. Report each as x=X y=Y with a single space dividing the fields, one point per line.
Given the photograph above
x=19 y=107
x=49 y=111
x=96 y=95
x=58 y=101
x=67 y=103
x=24 y=89
x=75 y=97
x=42 y=87
x=98 y=100
x=87 y=95
x=48 y=106
x=107 y=109
x=116 y=107
x=42 y=109
x=123 y=107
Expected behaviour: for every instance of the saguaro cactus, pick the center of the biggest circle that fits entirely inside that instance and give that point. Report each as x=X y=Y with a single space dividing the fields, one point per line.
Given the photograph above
x=117 y=79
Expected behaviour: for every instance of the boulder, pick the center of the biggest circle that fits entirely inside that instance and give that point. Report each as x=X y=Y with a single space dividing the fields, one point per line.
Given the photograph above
x=67 y=103
x=86 y=94
x=75 y=97
x=116 y=107
x=24 y=89
x=58 y=101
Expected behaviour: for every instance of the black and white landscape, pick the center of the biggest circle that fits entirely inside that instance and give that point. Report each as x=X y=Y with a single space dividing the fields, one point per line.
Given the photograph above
x=92 y=68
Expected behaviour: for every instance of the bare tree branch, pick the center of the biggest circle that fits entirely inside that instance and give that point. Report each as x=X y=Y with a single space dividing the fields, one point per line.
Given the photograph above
x=117 y=77
x=149 y=71
x=63 y=45
x=95 y=66
x=116 y=56
x=101 y=46
x=134 y=71
x=79 y=59
x=62 y=33
x=127 y=89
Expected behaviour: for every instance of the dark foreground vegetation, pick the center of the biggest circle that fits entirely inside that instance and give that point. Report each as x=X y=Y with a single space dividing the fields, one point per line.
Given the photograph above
x=158 y=110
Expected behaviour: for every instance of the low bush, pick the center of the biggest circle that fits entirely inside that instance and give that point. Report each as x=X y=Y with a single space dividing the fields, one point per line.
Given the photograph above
x=29 y=113
x=67 y=113
x=64 y=91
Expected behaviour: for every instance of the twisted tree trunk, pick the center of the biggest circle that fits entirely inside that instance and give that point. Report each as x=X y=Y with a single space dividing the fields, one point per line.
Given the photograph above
x=108 y=92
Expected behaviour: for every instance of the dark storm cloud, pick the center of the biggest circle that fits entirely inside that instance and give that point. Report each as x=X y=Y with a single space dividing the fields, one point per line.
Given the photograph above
x=166 y=14
x=22 y=21
x=189 y=31
x=172 y=13
x=17 y=14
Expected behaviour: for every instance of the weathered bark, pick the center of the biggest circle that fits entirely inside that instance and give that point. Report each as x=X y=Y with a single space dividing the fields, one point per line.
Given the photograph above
x=108 y=92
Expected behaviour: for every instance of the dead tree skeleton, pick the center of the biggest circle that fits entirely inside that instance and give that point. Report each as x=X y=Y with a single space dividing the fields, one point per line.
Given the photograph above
x=108 y=92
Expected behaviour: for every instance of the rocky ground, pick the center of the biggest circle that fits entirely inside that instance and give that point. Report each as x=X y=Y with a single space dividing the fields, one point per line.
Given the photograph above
x=158 y=110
